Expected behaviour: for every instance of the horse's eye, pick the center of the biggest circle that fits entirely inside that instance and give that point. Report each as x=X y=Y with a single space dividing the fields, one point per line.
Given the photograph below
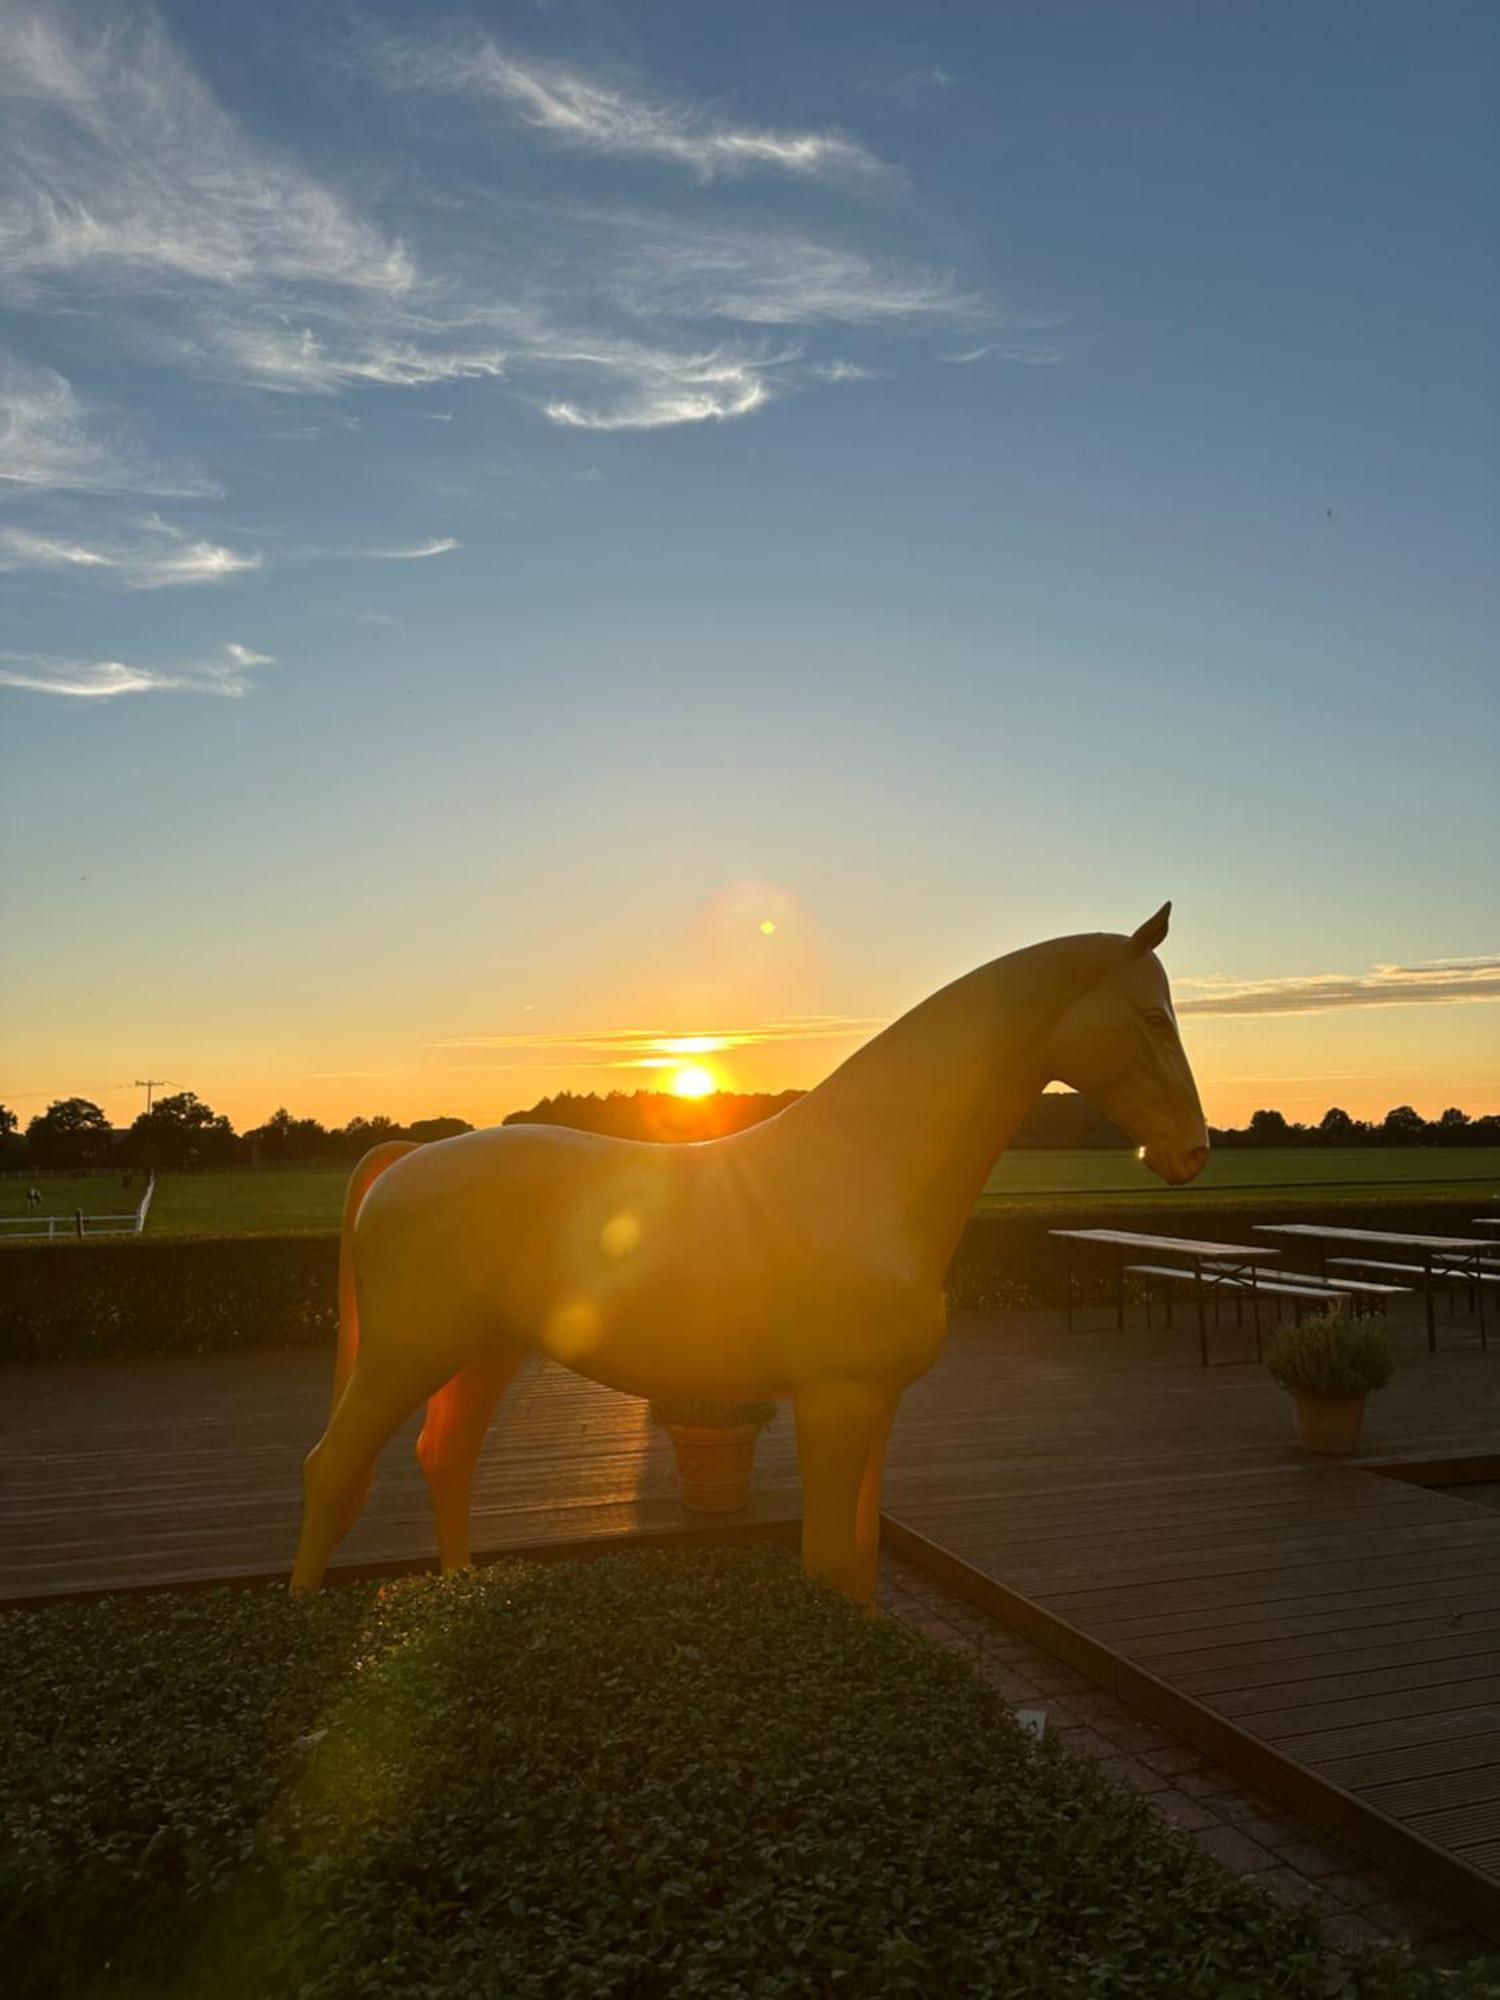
x=1158 y=1022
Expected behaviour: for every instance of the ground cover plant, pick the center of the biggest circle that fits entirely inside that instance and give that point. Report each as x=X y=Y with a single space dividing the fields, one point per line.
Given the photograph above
x=685 y=1773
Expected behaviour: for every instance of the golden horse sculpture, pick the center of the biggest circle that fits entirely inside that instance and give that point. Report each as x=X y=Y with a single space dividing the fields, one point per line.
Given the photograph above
x=803 y=1257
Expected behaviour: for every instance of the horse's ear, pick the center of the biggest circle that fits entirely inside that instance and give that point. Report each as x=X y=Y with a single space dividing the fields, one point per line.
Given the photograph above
x=1151 y=932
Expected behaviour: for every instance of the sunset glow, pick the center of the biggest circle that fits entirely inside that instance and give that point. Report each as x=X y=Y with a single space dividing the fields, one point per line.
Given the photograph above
x=693 y=1081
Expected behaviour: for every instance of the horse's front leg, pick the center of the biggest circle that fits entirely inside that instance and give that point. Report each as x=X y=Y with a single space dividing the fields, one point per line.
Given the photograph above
x=842 y=1429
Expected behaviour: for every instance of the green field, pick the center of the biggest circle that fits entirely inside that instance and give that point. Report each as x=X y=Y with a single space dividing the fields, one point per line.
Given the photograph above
x=311 y=1198
x=63 y=1195
x=231 y=1204
x=1404 y=1173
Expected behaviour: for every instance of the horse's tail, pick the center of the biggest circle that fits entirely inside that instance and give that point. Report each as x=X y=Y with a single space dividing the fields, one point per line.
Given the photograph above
x=369 y=1170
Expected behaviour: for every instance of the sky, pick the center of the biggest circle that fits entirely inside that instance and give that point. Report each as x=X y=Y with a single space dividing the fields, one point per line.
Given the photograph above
x=542 y=541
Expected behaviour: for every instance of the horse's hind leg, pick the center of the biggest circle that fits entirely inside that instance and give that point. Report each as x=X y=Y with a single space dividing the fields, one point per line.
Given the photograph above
x=448 y=1449
x=336 y=1475
x=842 y=1429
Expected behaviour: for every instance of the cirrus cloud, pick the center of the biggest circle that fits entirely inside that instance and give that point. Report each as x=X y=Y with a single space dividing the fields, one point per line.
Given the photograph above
x=608 y=117
x=226 y=672
x=1431 y=982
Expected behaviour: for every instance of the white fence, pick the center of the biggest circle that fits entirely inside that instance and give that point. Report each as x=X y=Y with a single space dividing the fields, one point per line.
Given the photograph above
x=23 y=1228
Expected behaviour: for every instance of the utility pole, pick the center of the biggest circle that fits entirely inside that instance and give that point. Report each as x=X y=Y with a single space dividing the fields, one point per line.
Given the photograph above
x=148 y=1084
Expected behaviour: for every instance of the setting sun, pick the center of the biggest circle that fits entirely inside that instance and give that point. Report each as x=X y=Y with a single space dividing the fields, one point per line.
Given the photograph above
x=693 y=1081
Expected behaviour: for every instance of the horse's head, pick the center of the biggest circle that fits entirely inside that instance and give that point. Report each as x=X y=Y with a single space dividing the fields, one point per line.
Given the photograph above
x=1118 y=1044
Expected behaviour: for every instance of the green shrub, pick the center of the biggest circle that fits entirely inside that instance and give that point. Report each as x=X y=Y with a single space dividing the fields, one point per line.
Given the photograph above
x=1329 y=1355
x=708 y=1416
x=650 y=1775
x=166 y=1295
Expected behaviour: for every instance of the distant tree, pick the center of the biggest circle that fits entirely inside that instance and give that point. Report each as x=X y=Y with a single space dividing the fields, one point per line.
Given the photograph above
x=284 y=1139
x=180 y=1131
x=656 y=1114
x=360 y=1134
x=12 y=1145
x=1452 y=1127
x=1269 y=1128
x=1403 y=1126
x=72 y=1132
x=425 y=1130
x=1336 y=1126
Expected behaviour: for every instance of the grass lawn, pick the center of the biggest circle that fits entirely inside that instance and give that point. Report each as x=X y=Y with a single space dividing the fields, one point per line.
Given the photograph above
x=276 y=1198
x=62 y=1194
x=654 y=1774
x=1397 y=1173
x=238 y=1203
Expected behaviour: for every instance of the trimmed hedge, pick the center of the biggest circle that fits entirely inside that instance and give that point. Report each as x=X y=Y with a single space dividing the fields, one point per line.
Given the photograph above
x=166 y=1295
x=650 y=1775
x=68 y=1301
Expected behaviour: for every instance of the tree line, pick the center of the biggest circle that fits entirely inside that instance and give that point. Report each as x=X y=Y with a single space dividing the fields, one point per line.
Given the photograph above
x=182 y=1132
x=1402 y=1126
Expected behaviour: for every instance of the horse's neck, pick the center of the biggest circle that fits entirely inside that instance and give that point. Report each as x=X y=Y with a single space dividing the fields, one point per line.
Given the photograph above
x=913 y=1122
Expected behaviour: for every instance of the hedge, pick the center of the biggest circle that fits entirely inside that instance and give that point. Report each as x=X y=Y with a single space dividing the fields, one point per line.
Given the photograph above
x=64 y=1301
x=650 y=1775
x=75 y=1301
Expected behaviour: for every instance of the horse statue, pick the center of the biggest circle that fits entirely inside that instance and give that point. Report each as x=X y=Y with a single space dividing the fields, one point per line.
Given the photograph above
x=803 y=1257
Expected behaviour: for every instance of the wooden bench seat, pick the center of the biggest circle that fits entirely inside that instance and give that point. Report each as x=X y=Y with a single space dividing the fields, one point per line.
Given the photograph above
x=1447 y=1274
x=1223 y=1280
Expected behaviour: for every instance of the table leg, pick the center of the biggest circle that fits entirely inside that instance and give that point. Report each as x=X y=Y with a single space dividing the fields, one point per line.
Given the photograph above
x=1202 y=1322
x=1068 y=1279
x=1427 y=1296
x=1119 y=1291
x=1479 y=1289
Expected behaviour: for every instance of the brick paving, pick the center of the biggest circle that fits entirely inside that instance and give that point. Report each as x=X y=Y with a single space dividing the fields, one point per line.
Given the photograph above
x=1239 y=1827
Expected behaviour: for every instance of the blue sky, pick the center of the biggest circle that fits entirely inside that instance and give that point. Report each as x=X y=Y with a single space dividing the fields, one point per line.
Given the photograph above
x=473 y=493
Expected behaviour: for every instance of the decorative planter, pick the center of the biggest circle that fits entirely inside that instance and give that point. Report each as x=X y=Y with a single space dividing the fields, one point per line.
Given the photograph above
x=714 y=1466
x=1328 y=1424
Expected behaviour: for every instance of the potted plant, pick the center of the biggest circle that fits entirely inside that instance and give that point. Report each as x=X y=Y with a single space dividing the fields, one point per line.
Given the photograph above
x=714 y=1445
x=1328 y=1365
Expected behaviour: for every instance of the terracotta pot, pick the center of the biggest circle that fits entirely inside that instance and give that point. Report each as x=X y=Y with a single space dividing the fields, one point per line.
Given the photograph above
x=1329 y=1424
x=714 y=1466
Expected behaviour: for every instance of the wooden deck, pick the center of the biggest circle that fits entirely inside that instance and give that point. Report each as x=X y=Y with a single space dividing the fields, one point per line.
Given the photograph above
x=130 y=1474
x=1331 y=1633
x=1328 y=1631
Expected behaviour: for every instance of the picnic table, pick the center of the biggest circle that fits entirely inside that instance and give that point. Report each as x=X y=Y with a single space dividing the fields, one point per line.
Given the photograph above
x=1458 y=1258
x=1211 y=1264
x=1484 y=1221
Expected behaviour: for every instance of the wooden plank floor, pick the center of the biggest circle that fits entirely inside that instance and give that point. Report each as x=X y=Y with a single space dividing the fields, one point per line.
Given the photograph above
x=171 y=1471
x=1172 y=1540
x=1151 y=1520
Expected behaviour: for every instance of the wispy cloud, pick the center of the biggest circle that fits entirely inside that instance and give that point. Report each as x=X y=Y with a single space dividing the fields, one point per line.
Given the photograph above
x=158 y=558
x=656 y=1048
x=1007 y=350
x=608 y=117
x=440 y=546
x=1433 y=982
x=224 y=672
x=126 y=189
x=119 y=157
x=49 y=441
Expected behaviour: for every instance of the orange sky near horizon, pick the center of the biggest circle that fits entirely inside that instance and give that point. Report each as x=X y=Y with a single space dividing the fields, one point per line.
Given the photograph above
x=1429 y=1053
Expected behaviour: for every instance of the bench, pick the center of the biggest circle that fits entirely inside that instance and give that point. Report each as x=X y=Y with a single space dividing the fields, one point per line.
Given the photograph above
x=1219 y=1280
x=1445 y=1274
